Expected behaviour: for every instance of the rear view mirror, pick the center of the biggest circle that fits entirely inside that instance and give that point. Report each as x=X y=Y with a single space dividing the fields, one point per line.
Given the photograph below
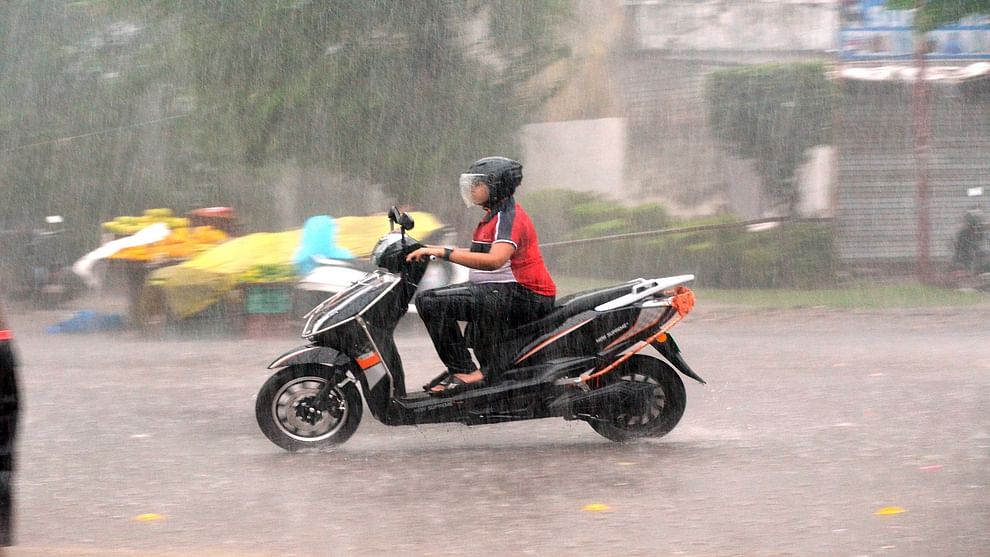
x=394 y=214
x=404 y=221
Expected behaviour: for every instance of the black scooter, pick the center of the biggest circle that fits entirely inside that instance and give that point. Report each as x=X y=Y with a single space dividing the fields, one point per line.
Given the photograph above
x=582 y=361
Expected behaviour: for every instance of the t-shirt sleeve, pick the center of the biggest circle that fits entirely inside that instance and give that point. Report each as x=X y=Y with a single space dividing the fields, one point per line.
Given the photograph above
x=506 y=229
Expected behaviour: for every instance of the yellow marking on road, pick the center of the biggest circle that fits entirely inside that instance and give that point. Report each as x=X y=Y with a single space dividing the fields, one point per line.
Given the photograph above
x=885 y=511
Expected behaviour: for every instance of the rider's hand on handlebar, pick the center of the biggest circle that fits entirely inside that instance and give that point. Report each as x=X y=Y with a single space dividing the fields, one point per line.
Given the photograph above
x=428 y=252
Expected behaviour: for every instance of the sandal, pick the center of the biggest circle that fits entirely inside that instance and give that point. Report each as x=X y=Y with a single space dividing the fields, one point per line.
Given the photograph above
x=456 y=385
x=441 y=379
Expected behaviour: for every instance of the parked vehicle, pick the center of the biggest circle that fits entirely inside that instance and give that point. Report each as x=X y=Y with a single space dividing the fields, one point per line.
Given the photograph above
x=583 y=361
x=52 y=281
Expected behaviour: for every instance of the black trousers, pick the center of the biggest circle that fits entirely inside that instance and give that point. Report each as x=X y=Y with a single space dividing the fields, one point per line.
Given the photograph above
x=8 y=428
x=492 y=307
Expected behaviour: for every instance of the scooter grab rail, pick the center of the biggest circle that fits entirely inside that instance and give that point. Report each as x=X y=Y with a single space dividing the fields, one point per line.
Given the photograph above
x=659 y=285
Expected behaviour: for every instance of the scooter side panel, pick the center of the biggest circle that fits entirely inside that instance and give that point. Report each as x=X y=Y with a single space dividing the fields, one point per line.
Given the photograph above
x=585 y=334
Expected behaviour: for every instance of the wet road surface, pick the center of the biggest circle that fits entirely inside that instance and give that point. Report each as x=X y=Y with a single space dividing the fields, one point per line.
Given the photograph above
x=820 y=433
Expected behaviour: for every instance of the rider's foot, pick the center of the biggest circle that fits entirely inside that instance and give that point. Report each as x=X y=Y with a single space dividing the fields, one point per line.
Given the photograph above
x=462 y=378
x=438 y=380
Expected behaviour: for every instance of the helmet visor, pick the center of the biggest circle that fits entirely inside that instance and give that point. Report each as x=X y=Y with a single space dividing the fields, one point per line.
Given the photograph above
x=467 y=183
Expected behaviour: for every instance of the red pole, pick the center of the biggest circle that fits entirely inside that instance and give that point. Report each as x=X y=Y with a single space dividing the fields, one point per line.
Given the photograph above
x=921 y=153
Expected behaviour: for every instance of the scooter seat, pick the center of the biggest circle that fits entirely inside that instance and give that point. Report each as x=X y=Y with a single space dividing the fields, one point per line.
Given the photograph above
x=569 y=306
x=583 y=301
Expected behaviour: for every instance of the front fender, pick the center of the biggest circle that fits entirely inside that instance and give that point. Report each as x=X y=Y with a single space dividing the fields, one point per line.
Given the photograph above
x=310 y=354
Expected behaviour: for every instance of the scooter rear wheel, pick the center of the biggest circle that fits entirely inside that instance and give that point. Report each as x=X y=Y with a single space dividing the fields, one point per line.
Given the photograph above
x=287 y=413
x=664 y=410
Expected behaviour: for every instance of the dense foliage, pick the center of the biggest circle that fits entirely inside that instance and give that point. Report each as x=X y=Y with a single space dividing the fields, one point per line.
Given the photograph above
x=772 y=114
x=791 y=255
x=393 y=92
x=114 y=106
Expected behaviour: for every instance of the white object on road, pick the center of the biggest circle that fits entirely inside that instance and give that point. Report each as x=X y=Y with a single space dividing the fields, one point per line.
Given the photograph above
x=148 y=235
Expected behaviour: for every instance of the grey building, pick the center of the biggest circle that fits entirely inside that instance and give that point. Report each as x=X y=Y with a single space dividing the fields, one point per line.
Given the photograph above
x=913 y=154
x=670 y=48
x=879 y=160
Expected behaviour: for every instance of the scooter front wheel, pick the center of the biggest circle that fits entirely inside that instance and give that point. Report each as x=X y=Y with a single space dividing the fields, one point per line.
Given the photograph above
x=291 y=416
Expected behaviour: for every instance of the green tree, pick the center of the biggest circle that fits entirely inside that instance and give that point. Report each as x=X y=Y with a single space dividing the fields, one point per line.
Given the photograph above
x=936 y=13
x=772 y=114
x=113 y=106
x=392 y=92
x=56 y=63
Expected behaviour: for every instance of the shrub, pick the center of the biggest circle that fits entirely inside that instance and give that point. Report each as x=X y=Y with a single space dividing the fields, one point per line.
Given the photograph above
x=791 y=255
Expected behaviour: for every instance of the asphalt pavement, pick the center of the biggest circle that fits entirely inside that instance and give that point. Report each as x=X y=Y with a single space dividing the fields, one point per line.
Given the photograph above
x=820 y=432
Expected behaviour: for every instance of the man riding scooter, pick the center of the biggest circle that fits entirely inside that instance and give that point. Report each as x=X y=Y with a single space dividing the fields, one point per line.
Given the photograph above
x=509 y=284
x=580 y=361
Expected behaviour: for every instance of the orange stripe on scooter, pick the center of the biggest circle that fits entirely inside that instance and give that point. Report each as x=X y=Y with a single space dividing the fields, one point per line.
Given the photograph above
x=371 y=360
x=634 y=331
x=550 y=340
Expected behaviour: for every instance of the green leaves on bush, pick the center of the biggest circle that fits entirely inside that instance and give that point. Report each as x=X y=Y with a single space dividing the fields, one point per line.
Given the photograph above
x=772 y=114
x=567 y=215
x=791 y=255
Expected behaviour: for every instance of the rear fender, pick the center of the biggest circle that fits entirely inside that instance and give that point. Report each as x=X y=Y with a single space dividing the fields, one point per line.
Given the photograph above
x=669 y=350
x=310 y=354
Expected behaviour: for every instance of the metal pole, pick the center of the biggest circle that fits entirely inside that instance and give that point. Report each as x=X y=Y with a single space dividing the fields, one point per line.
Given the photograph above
x=921 y=154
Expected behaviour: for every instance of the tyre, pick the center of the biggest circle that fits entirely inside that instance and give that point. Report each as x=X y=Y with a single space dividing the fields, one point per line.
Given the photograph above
x=286 y=414
x=665 y=408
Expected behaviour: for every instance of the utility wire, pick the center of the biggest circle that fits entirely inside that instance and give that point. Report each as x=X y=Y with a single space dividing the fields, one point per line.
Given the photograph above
x=91 y=134
x=680 y=230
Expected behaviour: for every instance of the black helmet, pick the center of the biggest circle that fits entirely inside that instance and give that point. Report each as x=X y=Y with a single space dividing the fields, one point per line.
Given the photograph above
x=502 y=176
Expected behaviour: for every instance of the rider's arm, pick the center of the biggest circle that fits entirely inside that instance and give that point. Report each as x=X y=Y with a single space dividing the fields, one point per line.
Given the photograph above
x=494 y=259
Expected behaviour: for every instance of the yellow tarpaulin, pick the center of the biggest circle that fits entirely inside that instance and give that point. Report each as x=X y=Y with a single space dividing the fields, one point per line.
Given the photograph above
x=359 y=234
x=191 y=287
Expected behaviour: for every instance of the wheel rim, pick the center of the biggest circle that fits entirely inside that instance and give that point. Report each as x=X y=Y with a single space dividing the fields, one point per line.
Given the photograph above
x=657 y=404
x=296 y=417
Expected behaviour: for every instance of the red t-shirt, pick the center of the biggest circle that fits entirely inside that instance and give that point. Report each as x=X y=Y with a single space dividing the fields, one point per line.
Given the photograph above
x=507 y=222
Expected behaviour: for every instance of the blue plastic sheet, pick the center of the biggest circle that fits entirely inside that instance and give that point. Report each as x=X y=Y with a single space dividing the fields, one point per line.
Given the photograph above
x=87 y=321
x=319 y=239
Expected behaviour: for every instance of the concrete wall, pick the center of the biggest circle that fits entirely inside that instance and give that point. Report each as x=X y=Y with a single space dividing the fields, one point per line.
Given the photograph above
x=582 y=155
x=816 y=178
x=633 y=119
x=674 y=156
x=735 y=25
